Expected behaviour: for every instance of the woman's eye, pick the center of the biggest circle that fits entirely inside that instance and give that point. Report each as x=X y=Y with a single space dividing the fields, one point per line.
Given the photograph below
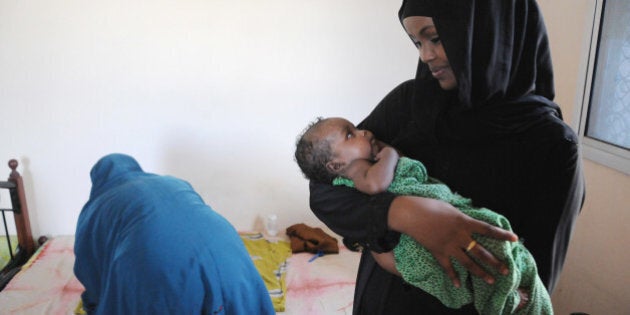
x=349 y=135
x=435 y=40
x=414 y=41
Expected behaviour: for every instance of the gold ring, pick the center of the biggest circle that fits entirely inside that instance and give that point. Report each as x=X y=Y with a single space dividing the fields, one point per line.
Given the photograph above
x=472 y=244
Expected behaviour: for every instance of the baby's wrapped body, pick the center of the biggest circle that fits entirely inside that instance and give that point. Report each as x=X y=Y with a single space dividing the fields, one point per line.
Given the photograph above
x=419 y=268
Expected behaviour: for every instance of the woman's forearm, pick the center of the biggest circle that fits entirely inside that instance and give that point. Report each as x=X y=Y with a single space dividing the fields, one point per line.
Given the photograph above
x=406 y=213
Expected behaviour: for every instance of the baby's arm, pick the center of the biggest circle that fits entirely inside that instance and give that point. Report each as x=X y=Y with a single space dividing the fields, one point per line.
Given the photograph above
x=386 y=261
x=374 y=177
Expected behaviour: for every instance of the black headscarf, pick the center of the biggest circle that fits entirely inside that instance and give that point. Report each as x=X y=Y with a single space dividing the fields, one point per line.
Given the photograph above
x=499 y=52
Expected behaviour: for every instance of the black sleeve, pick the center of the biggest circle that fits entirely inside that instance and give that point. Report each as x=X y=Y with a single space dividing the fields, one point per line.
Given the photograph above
x=359 y=218
x=560 y=199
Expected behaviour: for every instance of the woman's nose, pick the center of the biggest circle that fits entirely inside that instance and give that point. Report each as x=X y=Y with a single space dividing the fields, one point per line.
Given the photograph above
x=427 y=53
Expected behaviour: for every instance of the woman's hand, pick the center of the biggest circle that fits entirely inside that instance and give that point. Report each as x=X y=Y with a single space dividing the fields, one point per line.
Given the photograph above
x=447 y=232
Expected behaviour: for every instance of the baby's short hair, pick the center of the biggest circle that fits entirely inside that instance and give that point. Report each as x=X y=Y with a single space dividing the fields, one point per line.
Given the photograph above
x=312 y=153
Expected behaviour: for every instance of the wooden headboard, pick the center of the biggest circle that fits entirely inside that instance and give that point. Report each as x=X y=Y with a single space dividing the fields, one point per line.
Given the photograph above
x=26 y=245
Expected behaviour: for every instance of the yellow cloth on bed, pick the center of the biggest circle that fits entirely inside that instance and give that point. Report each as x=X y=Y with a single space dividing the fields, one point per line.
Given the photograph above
x=270 y=258
x=5 y=256
x=79 y=309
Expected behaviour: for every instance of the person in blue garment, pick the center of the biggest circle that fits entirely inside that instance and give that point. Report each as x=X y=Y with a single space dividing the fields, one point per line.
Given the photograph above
x=149 y=244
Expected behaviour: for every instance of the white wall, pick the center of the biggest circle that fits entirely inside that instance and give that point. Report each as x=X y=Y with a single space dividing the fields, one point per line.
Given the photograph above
x=214 y=92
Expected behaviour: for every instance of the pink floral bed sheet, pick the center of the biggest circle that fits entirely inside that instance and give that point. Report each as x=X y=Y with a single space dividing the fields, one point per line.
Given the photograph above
x=322 y=285
x=46 y=284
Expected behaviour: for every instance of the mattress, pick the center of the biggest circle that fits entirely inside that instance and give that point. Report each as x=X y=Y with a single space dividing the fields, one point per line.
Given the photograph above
x=47 y=285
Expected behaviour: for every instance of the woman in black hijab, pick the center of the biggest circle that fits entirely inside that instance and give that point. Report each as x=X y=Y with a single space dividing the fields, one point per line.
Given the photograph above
x=482 y=119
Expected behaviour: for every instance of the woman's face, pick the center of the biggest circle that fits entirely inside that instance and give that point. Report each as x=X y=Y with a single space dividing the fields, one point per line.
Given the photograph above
x=425 y=37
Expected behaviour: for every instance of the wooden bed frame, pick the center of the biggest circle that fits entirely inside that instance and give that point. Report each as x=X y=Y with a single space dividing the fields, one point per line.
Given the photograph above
x=26 y=245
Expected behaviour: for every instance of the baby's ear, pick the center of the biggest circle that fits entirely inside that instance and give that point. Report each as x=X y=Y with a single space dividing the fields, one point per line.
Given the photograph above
x=334 y=167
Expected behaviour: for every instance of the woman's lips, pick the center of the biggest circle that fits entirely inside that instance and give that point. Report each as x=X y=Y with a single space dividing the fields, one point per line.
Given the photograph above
x=438 y=72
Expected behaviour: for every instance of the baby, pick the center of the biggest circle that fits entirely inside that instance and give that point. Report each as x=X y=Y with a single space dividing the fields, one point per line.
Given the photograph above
x=334 y=151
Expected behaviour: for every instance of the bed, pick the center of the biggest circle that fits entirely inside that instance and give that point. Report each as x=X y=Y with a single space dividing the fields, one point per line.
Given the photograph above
x=303 y=283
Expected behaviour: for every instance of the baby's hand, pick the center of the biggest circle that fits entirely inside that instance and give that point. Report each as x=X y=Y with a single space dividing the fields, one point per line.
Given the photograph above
x=387 y=152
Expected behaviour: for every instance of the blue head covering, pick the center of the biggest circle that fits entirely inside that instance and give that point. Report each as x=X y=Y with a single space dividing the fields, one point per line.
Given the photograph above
x=111 y=169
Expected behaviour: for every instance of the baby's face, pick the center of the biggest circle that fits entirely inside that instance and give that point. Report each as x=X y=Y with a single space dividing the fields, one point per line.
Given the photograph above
x=347 y=142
